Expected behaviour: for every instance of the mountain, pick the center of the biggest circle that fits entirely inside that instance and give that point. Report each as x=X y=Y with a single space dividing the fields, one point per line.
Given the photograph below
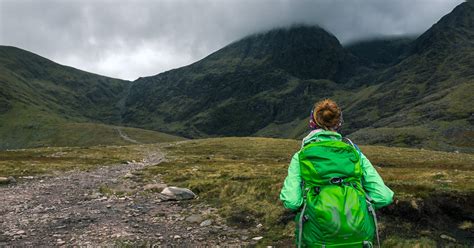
x=43 y=103
x=396 y=91
x=400 y=92
x=245 y=87
x=427 y=99
x=381 y=52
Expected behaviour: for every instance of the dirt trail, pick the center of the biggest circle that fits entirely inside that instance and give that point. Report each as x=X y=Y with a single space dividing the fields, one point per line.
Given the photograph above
x=67 y=209
x=124 y=136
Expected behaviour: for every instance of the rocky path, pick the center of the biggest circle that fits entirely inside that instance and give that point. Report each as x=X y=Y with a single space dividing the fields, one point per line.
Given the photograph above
x=69 y=209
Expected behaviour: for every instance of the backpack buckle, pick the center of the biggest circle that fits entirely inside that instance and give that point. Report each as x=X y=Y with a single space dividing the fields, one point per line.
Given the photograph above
x=336 y=180
x=317 y=190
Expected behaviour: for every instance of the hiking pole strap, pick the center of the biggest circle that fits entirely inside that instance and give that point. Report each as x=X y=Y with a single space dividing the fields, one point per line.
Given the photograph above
x=374 y=215
x=300 y=227
x=301 y=219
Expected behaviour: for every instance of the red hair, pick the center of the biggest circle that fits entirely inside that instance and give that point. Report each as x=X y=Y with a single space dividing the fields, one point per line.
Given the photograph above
x=327 y=114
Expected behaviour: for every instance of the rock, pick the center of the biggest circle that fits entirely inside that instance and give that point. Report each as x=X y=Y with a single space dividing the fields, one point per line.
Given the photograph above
x=466 y=225
x=244 y=238
x=206 y=223
x=259 y=226
x=95 y=195
x=60 y=242
x=12 y=180
x=446 y=237
x=257 y=238
x=175 y=193
x=176 y=237
x=20 y=232
x=4 y=180
x=194 y=218
x=155 y=187
x=128 y=175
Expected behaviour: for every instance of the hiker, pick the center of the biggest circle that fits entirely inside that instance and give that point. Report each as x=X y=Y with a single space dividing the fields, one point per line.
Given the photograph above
x=333 y=187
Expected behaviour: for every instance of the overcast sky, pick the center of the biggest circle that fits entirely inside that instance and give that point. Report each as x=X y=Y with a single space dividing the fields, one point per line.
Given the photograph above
x=132 y=38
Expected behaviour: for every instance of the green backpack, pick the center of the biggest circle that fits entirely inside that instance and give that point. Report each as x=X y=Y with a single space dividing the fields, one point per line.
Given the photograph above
x=336 y=210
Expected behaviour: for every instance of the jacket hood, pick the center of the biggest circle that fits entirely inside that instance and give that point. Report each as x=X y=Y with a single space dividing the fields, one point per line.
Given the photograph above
x=320 y=135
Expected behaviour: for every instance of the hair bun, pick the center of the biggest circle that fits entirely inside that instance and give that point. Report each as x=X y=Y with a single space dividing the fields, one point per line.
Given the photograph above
x=327 y=114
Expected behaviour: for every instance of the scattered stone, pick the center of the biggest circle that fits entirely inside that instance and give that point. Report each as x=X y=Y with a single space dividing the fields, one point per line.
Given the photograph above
x=60 y=242
x=466 y=225
x=129 y=175
x=175 y=193
x=259 y=226
x=189 y=228
x=4 y=180
x=27 y=177
x=257 y=238
x=176 y=237
x=194 y=218
x=158 y=187
x=446 y=237
x=109 y=206
x=206 y=223
x=95 y=195
x=11 y=180
x=20 y=232
x=414 y=204
x=244 y=238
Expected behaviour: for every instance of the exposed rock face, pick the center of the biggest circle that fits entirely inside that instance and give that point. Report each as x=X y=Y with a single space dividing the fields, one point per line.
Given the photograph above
x=175 y=193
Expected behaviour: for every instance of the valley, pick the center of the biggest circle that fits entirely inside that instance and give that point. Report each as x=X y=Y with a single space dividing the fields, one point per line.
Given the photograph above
x=237 y=181
x=85 y=158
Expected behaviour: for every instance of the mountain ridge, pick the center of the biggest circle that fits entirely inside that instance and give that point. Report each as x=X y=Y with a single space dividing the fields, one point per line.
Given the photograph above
x=393 y=92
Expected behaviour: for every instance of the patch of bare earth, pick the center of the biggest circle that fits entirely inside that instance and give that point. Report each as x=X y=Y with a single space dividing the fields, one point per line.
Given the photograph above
x=72 y=209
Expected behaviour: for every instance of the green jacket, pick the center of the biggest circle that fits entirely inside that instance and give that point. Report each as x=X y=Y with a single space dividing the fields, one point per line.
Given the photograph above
x=373 y=184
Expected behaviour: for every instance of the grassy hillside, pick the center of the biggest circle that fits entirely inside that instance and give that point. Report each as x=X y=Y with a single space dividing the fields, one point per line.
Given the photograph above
x=426 y=100
x=400 y=92
x=246 y=86
x=397 y=92
x=46 y=104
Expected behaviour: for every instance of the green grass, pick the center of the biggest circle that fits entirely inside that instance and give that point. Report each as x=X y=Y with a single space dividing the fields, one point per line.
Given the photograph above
x=32 y=127
x=27 y=162
x=242 y=177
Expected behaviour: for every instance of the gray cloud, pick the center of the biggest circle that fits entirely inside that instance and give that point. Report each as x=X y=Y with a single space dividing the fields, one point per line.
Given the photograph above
x=132 y=38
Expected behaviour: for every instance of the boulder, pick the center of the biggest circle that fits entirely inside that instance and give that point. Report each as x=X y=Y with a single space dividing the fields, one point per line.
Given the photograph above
x=194 y=218
x=175 y=193
x=7 y=180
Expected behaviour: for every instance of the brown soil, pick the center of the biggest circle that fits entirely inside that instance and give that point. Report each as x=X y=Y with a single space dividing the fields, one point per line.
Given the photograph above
x=68 y=209
x=434 y=216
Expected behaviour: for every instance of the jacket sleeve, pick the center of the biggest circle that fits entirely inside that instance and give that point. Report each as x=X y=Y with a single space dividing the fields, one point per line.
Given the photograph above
x=290 y=194
x=374 y=185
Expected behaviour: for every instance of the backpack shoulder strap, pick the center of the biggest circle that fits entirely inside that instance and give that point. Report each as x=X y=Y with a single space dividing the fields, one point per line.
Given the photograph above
x=347 y=140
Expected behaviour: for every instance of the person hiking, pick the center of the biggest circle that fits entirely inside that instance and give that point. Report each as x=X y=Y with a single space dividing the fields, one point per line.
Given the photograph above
x=333 y=187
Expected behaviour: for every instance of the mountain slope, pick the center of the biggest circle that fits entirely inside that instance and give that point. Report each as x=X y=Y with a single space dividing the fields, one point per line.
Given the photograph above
x=381 y=52
x=40 y=101
x=398 y=92
x=417 y=93
x=244 y=87
x=428 y=98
